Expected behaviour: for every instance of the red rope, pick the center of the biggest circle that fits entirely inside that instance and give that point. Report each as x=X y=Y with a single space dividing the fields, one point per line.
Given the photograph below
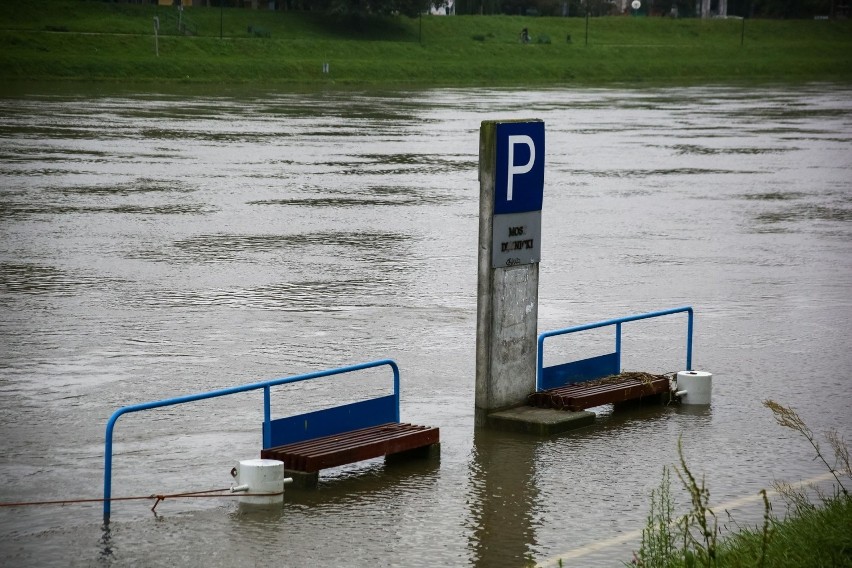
x=189 y=495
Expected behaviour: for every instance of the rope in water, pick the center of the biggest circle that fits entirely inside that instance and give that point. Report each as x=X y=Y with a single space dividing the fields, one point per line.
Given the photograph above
x=158 y=497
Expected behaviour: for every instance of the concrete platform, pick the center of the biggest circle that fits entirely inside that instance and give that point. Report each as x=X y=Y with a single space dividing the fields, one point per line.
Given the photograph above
x=541 y=421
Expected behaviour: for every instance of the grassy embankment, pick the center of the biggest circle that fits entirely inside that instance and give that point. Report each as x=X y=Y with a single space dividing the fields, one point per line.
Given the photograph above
x=78 y=40
x=815 y=532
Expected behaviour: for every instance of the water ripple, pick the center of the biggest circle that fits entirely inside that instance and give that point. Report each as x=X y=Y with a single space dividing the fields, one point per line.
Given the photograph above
x=226 y=247
x=30 y=278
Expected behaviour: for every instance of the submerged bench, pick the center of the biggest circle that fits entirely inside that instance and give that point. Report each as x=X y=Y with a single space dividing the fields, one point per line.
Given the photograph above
x=338 y=435
x=308 y=443
x=622 y=388
x=577 y=385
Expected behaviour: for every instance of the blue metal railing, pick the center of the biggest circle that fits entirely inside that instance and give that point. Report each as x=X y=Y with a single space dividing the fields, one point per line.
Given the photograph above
x=265 y=385
x=603 y=365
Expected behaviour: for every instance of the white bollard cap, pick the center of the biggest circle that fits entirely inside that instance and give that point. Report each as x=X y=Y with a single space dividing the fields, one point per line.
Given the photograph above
x=697 y=387
x=261 y=476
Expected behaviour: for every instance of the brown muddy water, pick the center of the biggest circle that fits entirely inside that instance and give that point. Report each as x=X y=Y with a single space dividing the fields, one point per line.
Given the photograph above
x=155 y=245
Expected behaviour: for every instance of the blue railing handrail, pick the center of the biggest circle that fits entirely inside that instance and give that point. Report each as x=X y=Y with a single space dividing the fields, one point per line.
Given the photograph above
x=616 y=322
x=265 y=385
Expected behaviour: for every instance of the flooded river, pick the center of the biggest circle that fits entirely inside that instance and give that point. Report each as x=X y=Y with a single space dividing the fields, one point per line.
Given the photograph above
x=157 y=245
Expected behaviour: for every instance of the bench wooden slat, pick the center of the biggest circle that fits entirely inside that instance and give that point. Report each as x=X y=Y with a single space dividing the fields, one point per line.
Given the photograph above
x=578 y=397
x=581 y=390
x=353 y=435
x=358 y=445
x=341 y=451
x=385 y=446
x=589 y=400
x=340 y=443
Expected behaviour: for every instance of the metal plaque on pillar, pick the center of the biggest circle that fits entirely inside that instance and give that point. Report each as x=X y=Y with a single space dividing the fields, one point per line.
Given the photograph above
x=518 y=194
x=516 y=239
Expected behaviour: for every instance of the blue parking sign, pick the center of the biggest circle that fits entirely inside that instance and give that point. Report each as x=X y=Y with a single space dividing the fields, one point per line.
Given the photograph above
x=519 y=172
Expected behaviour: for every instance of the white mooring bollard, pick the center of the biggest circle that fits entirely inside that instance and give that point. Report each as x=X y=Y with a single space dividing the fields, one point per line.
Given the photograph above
x=694 y=387
x=260 y=476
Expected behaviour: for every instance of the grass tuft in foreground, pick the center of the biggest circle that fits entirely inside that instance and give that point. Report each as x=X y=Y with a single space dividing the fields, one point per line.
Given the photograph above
x=812 y=533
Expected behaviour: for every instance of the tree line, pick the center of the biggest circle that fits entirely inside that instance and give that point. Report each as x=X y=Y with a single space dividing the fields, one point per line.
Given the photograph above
x=787 y=9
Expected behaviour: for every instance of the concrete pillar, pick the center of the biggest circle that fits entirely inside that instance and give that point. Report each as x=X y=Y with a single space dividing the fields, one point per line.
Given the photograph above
x=507 y=292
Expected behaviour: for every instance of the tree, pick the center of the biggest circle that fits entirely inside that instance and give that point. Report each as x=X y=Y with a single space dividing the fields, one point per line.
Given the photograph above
x=366 y=8
x=791 y=8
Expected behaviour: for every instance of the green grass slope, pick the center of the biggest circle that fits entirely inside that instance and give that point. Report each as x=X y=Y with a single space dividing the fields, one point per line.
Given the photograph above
x=81 y=40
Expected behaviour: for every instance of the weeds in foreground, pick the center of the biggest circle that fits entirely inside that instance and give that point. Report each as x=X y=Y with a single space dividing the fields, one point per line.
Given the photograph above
x=690 y=540
x=658 y=539
x=699 y=526
x=768 y=530
x=788 y=418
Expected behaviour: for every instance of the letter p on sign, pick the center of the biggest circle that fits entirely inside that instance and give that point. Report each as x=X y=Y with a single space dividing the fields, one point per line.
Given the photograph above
x=515 y=169
x=519 y=183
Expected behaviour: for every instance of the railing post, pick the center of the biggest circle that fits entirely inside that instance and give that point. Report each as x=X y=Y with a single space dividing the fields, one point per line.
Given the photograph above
x=108 y=471
x=395 y=386
x=108 y=461
x=618 y=346
x=267 y=418
x=539 y=371
x=689 y=340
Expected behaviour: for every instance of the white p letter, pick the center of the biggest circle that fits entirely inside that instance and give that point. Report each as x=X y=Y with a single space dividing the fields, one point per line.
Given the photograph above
x=518 y=170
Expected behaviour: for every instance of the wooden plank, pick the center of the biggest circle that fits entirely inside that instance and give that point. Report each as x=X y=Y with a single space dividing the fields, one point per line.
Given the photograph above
x=365 y=449
x=338 y=445
x=596 y=397
x=343 y=442
x=354 y=435
x=579 y=397
x=351 y=447
x=378 y=448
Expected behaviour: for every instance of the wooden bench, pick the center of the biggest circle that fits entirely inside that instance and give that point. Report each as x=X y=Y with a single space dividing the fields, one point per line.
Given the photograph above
x=588 y=394
x=308 y=443
x=586 y=383
x=350 y=447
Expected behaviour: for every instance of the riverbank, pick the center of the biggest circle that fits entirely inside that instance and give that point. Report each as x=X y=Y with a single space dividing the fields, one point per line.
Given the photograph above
x=809 y=535
x=94 y=41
